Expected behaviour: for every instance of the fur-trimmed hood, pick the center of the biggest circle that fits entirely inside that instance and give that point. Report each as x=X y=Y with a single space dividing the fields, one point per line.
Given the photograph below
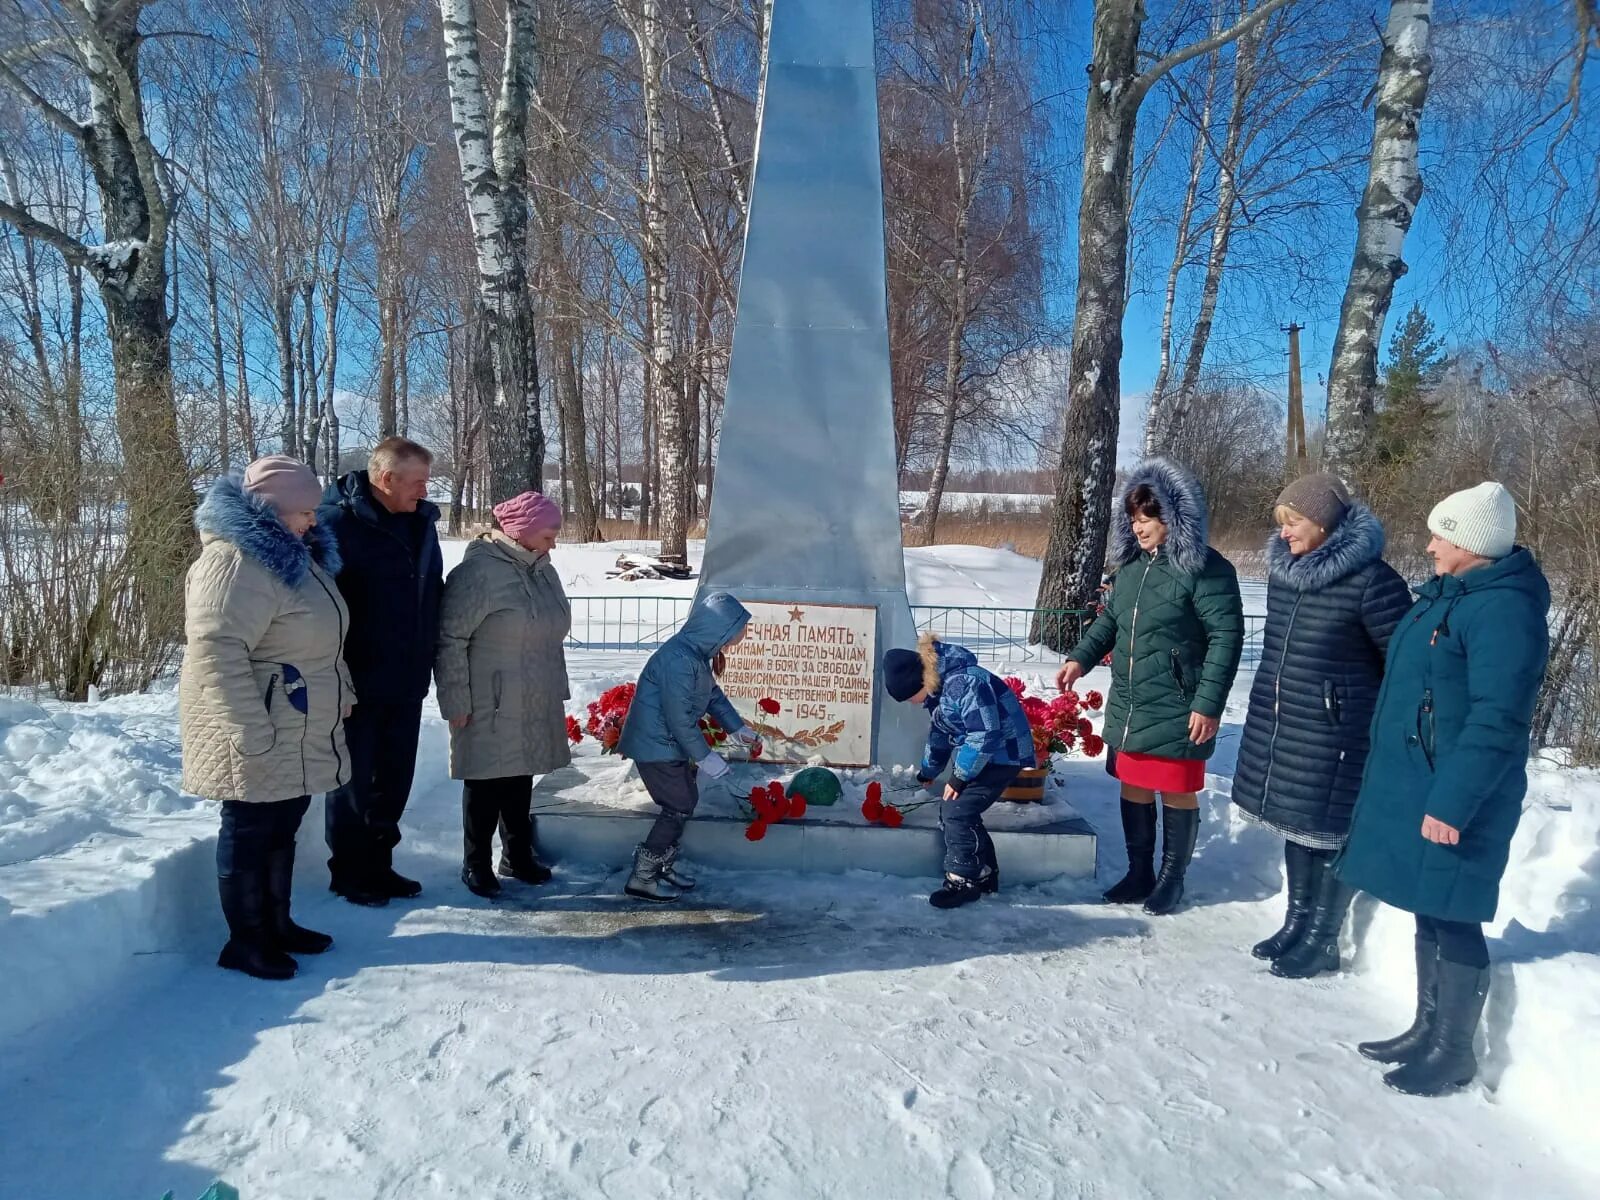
x=1183 y=508
x=233 y=515
x=1355 y=542
x=940 y=659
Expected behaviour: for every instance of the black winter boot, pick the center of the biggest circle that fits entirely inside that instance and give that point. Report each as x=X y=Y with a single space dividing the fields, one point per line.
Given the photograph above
x=249 y=949
x=480 y=880
x=479 y=813
x=395 y=885
x=956 y=892
x=1298 y=869
x=1318 y=950
x=286 y=935
x=359 y=888
x=1139 y=833
x=1448 y=1063
x=1179 y=828
x=517 y=858
x=1413 y=1041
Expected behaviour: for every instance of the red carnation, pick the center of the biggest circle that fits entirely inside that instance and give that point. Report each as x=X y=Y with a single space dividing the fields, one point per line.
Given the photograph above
x=874 y=792
x=775 y=790
x=892 y=816
x=769 y=706
x=872 y=809
x=755 y=750
x=1016 y=685
x=1094 y=700
x=1092 y=745
x=1085 y=727
x=755 y=831
x=797 y=807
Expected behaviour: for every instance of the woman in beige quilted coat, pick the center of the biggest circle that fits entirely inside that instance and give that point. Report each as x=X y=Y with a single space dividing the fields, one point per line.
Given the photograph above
x=502 y=684
x=263 y=695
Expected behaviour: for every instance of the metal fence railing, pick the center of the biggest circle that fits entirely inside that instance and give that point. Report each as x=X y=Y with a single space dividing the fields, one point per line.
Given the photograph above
x=996 y=635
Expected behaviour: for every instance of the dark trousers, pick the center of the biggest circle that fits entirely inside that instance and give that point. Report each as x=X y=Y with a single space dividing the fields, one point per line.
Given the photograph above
x=363 y=817
x=506 y=802
x=968 y=849
x=1459 y=941
x=251 y=832
x=672 y=786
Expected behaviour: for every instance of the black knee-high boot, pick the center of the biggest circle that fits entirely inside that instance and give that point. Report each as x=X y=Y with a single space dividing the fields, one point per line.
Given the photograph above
x=1139 y=834
x=1318 y=950
x=1448 y=1063
x=517 y=856
x=1411 y=1043
x=480 y=811
x=1179 y=828
x=250 y=947
x=288 y=936
x=1298 y=869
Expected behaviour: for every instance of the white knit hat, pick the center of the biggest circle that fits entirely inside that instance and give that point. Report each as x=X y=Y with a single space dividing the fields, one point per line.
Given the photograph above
x=1482 y=519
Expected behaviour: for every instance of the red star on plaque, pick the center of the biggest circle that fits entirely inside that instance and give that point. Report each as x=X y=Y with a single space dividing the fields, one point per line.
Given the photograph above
x=797 y=614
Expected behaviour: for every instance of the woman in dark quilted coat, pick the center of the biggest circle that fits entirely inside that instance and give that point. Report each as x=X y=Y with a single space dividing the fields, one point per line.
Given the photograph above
x=1174 y=627
x=1332 y=603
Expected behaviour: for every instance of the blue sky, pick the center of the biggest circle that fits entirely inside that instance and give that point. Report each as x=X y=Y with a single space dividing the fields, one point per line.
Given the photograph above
x=1441 y=276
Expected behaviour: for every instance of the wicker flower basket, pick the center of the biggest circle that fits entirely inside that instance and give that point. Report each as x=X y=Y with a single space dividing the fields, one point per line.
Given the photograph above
x=1028 y=787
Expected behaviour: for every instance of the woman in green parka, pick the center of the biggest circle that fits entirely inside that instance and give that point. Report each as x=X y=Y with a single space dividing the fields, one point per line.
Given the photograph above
x=1174 y=627
x=1444 y=782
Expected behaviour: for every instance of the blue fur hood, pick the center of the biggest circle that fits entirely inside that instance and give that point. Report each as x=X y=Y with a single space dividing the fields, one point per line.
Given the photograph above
x=1355 y=542
x=230 y=513
x=1183 y=508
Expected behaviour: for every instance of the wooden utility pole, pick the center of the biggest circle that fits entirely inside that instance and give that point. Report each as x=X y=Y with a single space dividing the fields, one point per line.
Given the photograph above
x=1294 y=458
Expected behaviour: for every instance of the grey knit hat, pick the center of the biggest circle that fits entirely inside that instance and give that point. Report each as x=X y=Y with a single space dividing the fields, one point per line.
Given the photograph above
x=1322 y=498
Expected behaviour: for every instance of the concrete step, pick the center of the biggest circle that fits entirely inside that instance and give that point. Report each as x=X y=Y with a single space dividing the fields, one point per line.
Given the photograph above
x=577 y=829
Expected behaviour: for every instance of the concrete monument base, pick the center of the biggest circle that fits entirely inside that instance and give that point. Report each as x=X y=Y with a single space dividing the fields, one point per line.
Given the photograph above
x=574 y=828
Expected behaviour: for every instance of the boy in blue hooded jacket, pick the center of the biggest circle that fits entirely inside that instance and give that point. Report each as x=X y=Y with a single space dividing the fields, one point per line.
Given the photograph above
x=662 y=735
x=978 y=721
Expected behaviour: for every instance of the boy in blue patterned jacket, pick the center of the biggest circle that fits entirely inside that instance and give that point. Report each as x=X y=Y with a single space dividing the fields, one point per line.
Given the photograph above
x=976 y=716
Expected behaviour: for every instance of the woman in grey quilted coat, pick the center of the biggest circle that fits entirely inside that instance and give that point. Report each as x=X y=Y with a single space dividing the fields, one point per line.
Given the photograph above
x=502 y=682
x=262 y=696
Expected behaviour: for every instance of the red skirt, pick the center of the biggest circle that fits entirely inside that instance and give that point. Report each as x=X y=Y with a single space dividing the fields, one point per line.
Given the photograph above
x=1157 y=774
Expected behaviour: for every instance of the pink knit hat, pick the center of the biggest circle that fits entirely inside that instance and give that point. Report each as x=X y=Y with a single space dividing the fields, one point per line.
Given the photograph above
x=285 y=483
x=527 y=513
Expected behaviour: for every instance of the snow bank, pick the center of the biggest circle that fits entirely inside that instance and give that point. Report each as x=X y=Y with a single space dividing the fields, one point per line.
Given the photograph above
x=102 y=857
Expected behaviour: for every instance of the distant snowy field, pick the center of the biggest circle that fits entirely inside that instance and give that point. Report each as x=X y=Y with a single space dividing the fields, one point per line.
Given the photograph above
x=786 y=1037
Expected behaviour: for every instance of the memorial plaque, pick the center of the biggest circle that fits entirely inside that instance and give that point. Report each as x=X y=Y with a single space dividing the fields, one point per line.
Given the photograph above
x=817 y=662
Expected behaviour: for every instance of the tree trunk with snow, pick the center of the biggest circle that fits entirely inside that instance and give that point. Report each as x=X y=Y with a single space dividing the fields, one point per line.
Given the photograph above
x=130 y=269
x=1394 y=186
x=493 y=154
x=665 y=381
x=1087 y=468
x=1080 y=516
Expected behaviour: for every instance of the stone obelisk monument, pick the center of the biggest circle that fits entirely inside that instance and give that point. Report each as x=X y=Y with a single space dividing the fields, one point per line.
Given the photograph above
x=805 y=511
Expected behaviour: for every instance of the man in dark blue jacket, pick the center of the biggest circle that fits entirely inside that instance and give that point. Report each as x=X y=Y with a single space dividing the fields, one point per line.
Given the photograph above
x=392 y=579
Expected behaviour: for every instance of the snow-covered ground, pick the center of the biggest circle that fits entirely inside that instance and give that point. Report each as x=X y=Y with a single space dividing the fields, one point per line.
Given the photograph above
x=784 y=1036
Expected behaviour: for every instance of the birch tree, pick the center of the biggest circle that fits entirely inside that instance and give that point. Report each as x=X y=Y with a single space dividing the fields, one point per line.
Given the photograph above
x=102 y=38
x=663 y=381
x=1394 y=186
x=1075 y=552
x=491 y=144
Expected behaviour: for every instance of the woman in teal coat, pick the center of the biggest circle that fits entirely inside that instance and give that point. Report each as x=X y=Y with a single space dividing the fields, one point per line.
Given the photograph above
x=1443 y=788
x=1174 y=627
